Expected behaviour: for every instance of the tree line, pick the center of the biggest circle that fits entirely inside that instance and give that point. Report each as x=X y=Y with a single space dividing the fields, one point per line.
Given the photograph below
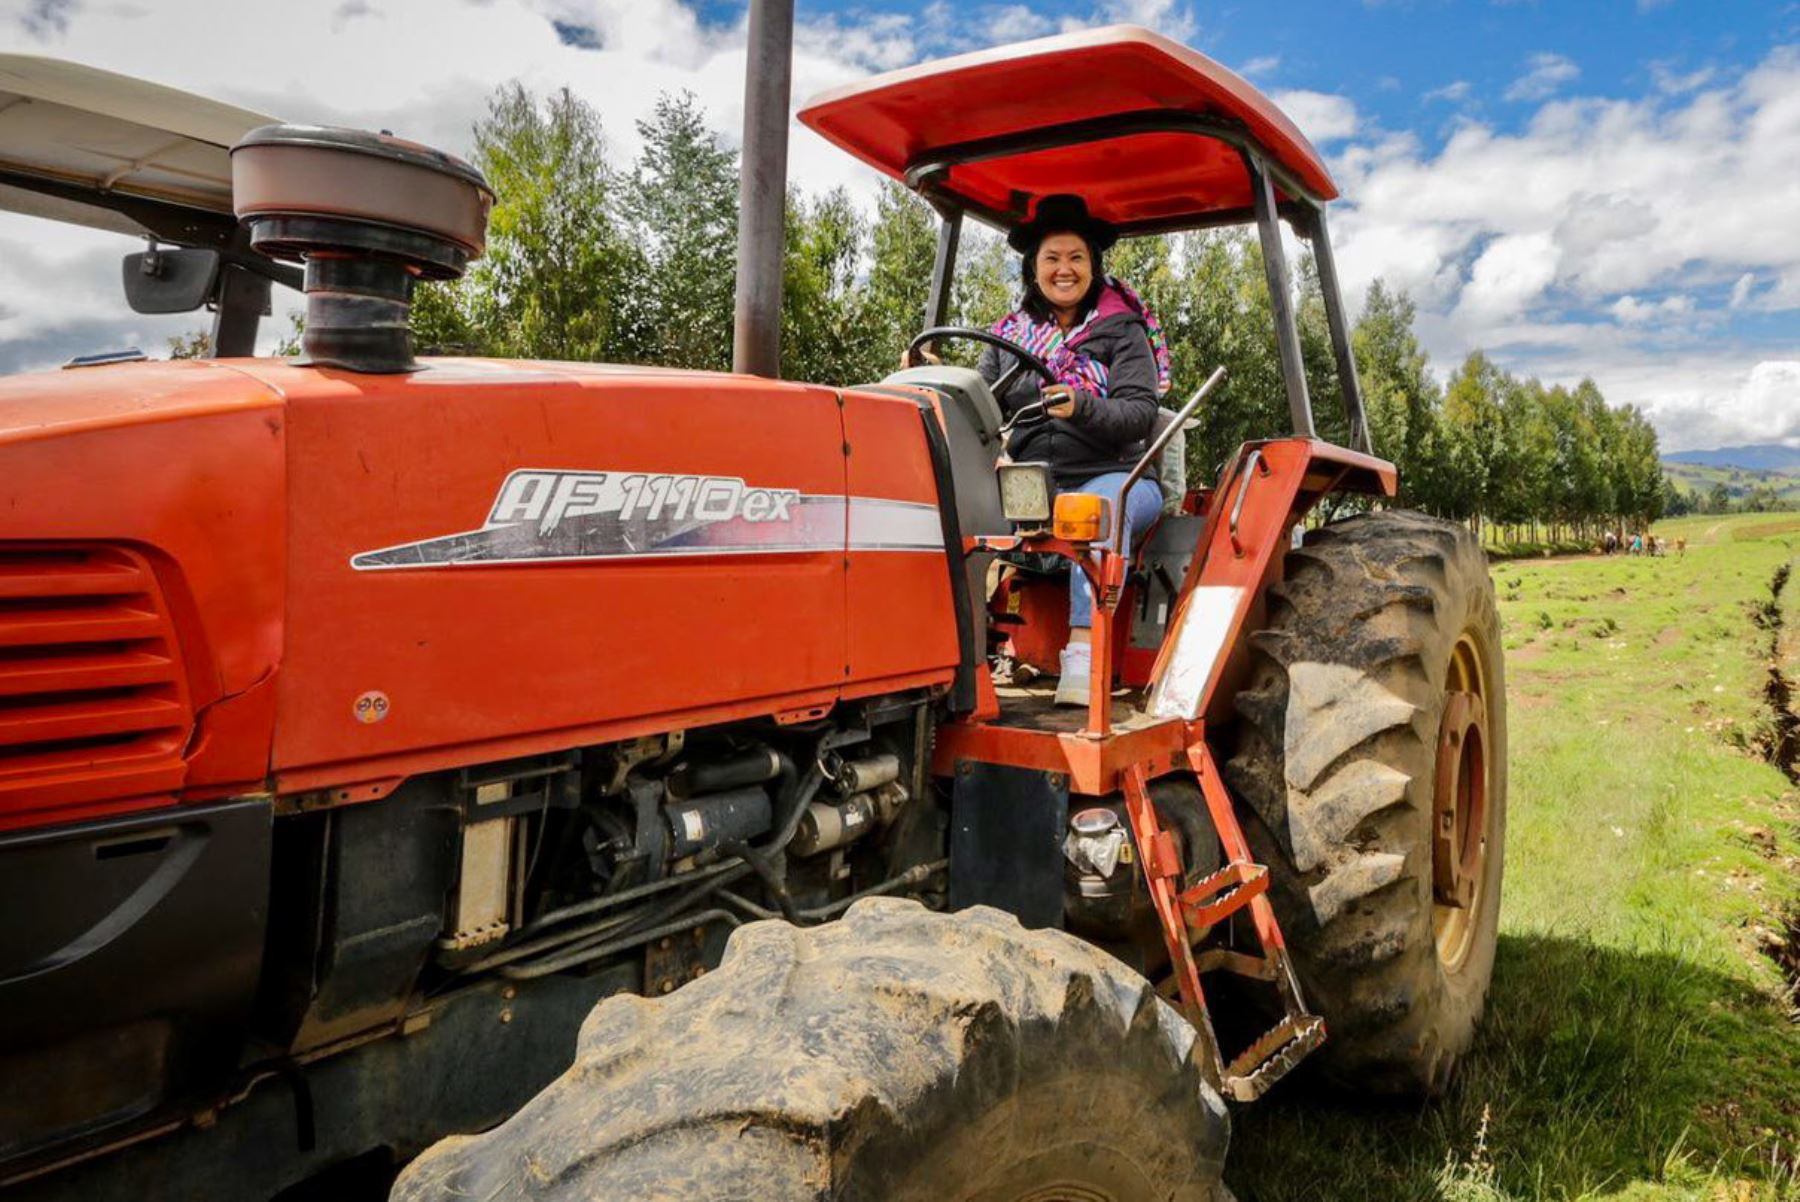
x=592 y=259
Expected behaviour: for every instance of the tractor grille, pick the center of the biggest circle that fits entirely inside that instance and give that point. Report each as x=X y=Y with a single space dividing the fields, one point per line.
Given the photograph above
x=92 y=699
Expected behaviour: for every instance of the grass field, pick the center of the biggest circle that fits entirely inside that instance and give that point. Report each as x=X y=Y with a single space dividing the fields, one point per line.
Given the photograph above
x=1638 y=1044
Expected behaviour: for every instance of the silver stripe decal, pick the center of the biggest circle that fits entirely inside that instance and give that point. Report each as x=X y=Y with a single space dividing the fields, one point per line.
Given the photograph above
x=882 y=525
x=591 y=531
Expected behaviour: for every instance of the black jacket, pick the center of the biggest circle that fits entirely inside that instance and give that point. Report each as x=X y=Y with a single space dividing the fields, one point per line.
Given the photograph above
x=1105 y=434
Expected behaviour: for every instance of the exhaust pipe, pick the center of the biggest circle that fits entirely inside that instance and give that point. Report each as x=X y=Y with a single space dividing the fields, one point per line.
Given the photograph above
x=762 y=189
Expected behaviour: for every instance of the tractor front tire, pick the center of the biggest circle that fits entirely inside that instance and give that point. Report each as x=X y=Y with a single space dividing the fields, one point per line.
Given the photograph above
x=894 y=1054
x=1372 y=754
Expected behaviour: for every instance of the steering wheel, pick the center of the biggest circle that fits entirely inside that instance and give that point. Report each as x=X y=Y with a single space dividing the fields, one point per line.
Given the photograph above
x=1022 y=359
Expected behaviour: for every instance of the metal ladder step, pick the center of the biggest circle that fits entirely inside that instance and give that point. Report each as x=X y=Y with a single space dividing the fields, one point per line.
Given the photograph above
x=1189 y=915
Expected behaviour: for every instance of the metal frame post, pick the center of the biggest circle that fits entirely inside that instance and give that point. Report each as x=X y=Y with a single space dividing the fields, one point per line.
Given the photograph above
x=1341 y=349
x=239 y=303
x=762 y=189
x=1281 y=307
x=943 y=267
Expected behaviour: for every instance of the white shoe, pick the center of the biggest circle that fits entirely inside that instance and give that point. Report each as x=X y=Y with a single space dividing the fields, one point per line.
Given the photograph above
x=1077 y=670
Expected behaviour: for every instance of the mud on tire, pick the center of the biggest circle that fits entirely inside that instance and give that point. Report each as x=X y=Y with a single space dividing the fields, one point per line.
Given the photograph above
x=1337 y=758
x=894 y=1054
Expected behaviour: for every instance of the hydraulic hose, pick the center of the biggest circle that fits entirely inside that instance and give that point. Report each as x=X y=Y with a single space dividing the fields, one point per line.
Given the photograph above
x=768 y=862
x=614 y=922
x=917 y=874
x=608 y=901
x=582 y=955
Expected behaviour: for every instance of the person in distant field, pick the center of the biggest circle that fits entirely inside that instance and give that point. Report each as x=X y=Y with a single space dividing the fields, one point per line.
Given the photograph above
x=1637 y=544
x=1111 y=365
x=1681 y=548
x=1610 y=543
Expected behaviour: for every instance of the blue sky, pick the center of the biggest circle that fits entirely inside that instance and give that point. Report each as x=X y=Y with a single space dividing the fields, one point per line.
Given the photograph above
x=1608 y=189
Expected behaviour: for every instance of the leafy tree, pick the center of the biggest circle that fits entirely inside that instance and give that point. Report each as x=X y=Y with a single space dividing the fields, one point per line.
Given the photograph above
x=986 y=287
x=557 y=270
x=680 y=209
x=902 y=243
x=826 y=334
x=194 y=345
x=1402 y=399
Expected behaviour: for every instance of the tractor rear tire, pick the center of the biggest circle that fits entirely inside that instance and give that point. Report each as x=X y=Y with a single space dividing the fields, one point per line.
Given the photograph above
x=1381 y=623
x=894 y=1054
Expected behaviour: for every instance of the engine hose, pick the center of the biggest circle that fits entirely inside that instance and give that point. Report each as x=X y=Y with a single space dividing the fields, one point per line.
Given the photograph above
x=714 y=876
x=607 y=902
x=771 y=879
x=605 y=926
x=807 y=789
x=917 y=874
x=582 y=955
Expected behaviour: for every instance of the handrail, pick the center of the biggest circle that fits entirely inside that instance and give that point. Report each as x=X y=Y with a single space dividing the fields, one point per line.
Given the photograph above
x=1156 y=449
x=1253 y=466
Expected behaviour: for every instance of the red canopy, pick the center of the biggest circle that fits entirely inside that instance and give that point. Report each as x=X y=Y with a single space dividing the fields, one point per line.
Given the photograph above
x=1138 y=121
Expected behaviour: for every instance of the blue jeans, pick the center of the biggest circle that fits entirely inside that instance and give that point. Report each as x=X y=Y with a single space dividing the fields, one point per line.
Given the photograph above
x=1141 y=510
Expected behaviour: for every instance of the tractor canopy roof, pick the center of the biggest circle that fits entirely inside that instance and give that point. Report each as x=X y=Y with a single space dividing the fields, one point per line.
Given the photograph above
x=1150 y=133
x=90 y=147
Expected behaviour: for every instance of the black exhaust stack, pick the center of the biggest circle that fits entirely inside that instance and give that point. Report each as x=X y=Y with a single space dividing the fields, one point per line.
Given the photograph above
x=369 y=215
x=762 y=188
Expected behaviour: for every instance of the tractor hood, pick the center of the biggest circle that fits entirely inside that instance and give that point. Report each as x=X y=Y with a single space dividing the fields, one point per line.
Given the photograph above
x=232 y=576
x=88 y=399
x=142 y=521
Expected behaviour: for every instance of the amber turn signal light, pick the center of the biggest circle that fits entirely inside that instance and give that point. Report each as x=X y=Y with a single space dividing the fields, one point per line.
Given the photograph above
x=1080 y=517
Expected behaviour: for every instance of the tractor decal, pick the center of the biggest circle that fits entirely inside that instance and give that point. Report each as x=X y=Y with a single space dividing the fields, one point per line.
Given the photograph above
x=547 y=514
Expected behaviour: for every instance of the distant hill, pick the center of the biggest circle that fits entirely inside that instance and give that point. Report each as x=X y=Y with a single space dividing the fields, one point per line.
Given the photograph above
x=1762 y=457
x=1698 y=479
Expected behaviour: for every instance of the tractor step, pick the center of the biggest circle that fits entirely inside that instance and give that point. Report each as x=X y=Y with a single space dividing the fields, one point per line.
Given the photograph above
x=1256 y=1068
x=1191 y=915
x=1222 y=894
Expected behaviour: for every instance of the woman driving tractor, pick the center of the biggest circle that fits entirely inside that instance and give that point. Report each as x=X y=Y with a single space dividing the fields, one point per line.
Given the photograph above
x=1107 y=352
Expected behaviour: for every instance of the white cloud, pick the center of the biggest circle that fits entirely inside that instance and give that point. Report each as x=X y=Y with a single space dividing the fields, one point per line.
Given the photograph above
x=1673 y=83
x=1547 y=74
x=1632 y=311
x=1740 y=291
x=1605 y=238
x=1321 y=117
x=1454 y=92
x=1018 y=22
x=1172 y=17
x=1263 y=65
x=1696 y=404
x=1508 y=276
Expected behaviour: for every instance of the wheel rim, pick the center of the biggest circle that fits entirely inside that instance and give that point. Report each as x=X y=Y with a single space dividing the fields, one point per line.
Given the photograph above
x=1460 y=811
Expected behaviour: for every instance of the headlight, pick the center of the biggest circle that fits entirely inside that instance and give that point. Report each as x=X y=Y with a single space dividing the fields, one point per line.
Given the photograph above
x=1025 y=492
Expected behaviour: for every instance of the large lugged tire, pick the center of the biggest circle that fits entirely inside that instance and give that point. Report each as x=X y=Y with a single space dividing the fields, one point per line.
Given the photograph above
x=1381 y=622
x=895 y=1054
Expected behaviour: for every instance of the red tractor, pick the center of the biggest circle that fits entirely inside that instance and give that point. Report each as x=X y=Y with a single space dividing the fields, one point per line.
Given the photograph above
x=365 y=720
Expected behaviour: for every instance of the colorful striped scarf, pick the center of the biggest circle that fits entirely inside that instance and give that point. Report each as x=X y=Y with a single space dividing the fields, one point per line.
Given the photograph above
x=1062 y=352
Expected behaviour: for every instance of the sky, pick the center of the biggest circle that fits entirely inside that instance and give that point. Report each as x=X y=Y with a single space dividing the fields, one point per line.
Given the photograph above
x=1604 y=188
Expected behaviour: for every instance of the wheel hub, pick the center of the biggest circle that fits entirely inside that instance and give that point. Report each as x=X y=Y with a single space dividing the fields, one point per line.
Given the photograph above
x=1459 y=844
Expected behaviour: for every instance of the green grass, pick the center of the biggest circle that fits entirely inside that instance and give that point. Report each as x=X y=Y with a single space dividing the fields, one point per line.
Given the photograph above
x=1638 y=1044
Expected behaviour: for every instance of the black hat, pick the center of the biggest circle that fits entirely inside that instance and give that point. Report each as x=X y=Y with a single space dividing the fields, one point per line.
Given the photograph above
x=1061 y=213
